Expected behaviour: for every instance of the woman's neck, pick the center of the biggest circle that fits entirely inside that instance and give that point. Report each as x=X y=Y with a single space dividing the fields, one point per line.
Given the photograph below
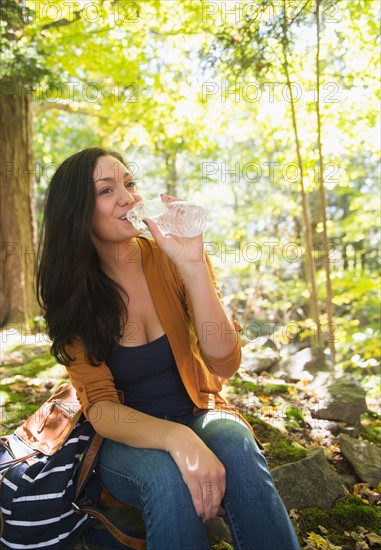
x=121 y=259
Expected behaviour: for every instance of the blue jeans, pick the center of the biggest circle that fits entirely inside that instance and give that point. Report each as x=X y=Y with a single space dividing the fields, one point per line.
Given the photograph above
x=149 y=479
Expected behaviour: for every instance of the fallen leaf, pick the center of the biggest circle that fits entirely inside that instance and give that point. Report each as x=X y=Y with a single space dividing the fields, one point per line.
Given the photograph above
x=364 y=491
x=374 y=540
x=320 y=543
x=268 y=411
x=264 y=398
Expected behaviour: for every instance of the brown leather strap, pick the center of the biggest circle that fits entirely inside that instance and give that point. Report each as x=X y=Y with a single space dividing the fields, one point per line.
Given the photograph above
x=15 y=461
x=136 y=544
x=106 y=500
x=88 y=460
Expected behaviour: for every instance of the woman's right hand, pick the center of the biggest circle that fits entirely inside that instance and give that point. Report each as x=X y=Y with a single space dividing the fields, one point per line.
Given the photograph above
x=203 y=473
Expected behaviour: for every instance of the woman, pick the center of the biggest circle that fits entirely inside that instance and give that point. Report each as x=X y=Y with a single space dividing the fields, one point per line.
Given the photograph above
x=144 y=316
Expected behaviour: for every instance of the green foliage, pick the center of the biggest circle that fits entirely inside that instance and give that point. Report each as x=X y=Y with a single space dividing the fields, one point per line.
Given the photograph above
x=370 y=427
x=135 y=83
x=295 y=417
x=22 y=59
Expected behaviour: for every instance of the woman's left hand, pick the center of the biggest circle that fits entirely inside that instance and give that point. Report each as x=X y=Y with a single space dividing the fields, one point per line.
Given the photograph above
x=181 y=250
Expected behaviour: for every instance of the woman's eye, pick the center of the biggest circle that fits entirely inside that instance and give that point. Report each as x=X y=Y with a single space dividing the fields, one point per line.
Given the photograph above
x=130 y=184
x=105 y=191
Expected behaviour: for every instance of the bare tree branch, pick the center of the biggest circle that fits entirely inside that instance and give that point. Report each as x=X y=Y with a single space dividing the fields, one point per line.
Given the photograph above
x=73 y=108
x=78 y=109
x=299 y=13
x=64 y=22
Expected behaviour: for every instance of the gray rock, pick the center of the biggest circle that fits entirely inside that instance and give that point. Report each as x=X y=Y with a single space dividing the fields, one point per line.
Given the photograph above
x=310 y=482
x=218 y=530
x=294 y=365
x=270 y=343
x=342 y=401
x=314 y=362
x=294 y=347
x=337 y=428
x=364 y=457
x=259 y=359
x=333 y=427
x=353 y=431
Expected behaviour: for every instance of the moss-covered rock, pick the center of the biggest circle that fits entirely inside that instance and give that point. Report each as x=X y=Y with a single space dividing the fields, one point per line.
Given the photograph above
x=350 y=512
x=238 y=385
x=310 y=482
x=347 y=516
x=370 y=427
x=285 y=451
x=311 y=518
x=280 y=448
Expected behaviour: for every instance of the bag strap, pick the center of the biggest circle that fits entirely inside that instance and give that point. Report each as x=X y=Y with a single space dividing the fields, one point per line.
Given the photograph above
x=91 y=457
x=133 y=541
x=89 y=462
x=15 y=461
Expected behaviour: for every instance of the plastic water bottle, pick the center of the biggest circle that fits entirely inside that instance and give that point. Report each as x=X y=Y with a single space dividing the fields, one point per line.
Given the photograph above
x=179 y=218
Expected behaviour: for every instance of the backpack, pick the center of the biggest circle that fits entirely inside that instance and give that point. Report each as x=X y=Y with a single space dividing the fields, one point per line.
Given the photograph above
x=48 y=485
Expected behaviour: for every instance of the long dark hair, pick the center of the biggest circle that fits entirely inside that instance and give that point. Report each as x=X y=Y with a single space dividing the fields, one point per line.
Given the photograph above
x=78 y=298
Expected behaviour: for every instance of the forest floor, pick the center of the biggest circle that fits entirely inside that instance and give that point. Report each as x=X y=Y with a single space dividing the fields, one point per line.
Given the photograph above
x=29 y=374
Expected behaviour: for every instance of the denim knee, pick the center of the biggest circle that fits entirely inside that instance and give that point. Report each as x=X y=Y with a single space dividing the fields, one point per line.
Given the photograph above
x=229 y=437
x=247 y=474
x=143 y=477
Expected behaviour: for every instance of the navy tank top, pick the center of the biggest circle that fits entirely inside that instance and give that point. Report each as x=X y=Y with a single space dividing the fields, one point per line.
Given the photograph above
x=149 y=378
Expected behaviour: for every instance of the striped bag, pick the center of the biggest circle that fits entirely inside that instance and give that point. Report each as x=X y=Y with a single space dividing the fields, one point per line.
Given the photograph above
x=48 y=487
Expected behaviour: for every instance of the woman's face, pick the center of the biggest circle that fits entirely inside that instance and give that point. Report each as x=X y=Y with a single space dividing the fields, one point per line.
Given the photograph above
x=115 y=195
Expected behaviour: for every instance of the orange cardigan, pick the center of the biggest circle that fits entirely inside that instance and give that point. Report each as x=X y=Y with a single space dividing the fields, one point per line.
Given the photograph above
x=198 y=371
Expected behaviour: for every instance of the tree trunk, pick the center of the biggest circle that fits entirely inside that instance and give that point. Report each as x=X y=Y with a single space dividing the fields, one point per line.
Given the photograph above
x=323 y=200
x=18 y=302
x=172 y=176
x=345 y=257
x=315 y=209
x=310 y=264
